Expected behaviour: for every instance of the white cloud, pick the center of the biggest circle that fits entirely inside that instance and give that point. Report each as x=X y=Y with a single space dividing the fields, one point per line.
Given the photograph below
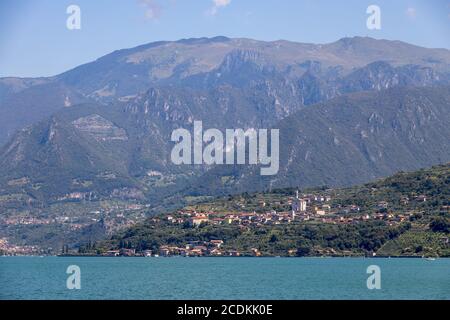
x=217 y=4
x=152 y=9
x=411 y=13
x=221 y=3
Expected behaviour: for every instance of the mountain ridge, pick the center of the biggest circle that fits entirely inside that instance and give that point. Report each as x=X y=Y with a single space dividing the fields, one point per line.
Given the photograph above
x=131 y=71
x=362 y=136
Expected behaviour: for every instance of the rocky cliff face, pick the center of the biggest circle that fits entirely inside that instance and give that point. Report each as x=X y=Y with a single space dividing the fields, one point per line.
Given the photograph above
x=290 y=72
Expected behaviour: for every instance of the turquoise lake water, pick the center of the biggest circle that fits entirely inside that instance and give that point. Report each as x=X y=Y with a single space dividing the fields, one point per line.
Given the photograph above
x=223 y=278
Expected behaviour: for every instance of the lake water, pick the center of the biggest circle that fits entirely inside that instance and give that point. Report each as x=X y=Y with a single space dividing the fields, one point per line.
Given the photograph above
x=223 y=278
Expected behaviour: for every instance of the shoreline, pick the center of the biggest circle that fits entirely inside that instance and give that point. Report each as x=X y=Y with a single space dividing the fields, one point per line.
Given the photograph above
x=263 y=257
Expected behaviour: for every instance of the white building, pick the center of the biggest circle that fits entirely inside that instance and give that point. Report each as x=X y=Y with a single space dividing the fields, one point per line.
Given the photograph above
x=299 y=205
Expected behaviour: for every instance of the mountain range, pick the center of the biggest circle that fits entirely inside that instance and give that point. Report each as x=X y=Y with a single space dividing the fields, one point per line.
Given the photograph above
x=348 y=112
x=291 y=73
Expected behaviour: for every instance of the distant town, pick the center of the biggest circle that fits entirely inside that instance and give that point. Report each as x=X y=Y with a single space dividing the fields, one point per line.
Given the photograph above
x=315 y=208
x=304 y=208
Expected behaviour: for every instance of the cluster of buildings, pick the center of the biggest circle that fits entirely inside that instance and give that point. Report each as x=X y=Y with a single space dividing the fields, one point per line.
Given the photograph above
x=191 y=249
x=313 y=207
x=116 y=216
x=241 y=218
x=391 y=219
x=308 y=207
x=9 y=249
x=197 y=249
x=301 y=211
x=27 y=221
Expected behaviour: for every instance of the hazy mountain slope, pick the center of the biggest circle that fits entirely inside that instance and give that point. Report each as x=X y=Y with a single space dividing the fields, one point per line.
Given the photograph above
x=120 y=72
x=347 y=140
x=288 y=71
x=128 y=140
x=350 y=139
x=53 y=153
x=27 y=102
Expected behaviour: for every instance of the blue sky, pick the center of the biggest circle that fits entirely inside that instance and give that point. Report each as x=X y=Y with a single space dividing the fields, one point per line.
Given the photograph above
x=34 y=40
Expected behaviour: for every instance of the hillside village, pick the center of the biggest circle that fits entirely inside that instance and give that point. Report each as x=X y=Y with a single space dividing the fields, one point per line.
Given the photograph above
x=312 y=208
x=278 y=222
x=403 y=215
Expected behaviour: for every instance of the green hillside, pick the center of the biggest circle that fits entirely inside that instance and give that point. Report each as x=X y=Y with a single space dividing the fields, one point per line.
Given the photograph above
x=403 y=215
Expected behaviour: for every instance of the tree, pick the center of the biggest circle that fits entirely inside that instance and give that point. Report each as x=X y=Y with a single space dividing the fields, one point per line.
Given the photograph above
x=303 y=251
x=273 y=238
x=440 y=224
